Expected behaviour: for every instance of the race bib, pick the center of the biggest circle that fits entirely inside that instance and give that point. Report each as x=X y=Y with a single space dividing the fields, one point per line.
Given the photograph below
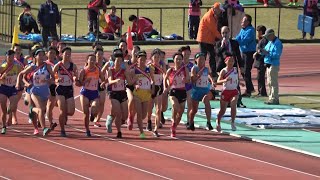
x=178 y=82
x=10 y=80
x=158 y=78
x=203 y=81
x=118 y=86
x=64 y=80
x=144 y=83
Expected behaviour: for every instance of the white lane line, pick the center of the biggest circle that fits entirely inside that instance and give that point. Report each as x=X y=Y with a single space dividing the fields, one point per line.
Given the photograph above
x=44 y=163
x=164 y=154
x=310 y=130
x=91 y=154
x=6 y=178
x=247 y=157
x=158 y=152
x=300 y=97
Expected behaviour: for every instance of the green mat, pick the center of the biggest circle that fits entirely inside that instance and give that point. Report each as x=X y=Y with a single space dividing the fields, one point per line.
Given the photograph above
x=250 y=103
x=298 y=140
x=249 y=2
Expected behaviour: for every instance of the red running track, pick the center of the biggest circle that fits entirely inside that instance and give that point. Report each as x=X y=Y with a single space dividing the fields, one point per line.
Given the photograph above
x=200 y=154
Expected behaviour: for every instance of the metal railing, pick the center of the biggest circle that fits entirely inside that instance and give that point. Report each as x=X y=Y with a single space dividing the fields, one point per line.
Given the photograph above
x=7 y=21
x=160 y=16
x=77 y=18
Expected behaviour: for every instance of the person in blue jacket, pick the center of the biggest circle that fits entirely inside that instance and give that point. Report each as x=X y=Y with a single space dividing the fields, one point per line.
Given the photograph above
x=272 y=53
x=247 y=43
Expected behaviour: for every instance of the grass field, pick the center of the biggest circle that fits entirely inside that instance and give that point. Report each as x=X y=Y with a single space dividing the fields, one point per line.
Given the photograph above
x=172 y=19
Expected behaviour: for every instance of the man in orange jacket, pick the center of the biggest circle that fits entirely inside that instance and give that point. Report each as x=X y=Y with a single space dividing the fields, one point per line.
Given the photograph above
x=114 y=22
x=208 y=34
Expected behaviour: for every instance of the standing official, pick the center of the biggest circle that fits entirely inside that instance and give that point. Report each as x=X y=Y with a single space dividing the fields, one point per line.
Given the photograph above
x=48 y=18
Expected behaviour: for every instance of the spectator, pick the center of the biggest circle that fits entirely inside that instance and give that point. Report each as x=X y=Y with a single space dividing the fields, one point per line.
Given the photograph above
x=54 y=42
x=208 y=34
x=309 y=7
x=27 y=21
x=142 y=26
x=114 y=22
x=272 y=54
x=93 y=11
x=259 y=61
x=247 y=42
x=194 y=18
x=229 y=47
x=48 y=18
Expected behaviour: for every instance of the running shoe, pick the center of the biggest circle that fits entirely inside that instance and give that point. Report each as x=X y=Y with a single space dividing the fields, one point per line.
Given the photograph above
x=156 y=134
x=63 y=134
x=209 y=127
x=30 y=121
x=142 y=136
x=3 y=130
x=130 y=123
x=233 y=127
x=290 y=4
x=218 y=128
x=188 y=125
x=109 y=124
x=26 y=102
x=149 y=126
x=119 y=135
x=92 y=117
x=163 y=120
x=191 y=127
x=96 y=124
x=173 y=130
x=53 y=125
x=46 y=131
x=88 y=133
x=36 y=132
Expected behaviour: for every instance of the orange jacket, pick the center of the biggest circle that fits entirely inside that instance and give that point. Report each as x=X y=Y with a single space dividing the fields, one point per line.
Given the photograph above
x=208 y=28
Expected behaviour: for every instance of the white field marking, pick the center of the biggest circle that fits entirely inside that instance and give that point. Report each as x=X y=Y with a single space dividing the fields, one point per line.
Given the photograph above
x=158 y=152
x=310 y=131
x=44 y=163
x=301 y=97
x=164 y=154
x=247 y=157
x=94 y=155
x=5 y=178
x=228 y=152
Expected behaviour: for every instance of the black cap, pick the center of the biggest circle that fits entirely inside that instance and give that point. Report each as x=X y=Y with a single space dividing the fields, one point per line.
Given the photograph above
x=10 y=52
x=141 y=53
x=38 y=51
x=64 y=49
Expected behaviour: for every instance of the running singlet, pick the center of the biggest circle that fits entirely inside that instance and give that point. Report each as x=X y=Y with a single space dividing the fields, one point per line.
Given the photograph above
x=119 y=86
x=203 y=81
x=40 y=75
x=189 y=66
x=94 y=79
x=176 y=78
x=52 y=66
x=64 y=77
x=232 y=83
x=20 y=61
x=11 y=74
x=144 y=80
x=158 y=74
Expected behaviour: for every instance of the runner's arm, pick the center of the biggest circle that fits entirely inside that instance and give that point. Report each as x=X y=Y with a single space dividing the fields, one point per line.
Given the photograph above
x=110 y=78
